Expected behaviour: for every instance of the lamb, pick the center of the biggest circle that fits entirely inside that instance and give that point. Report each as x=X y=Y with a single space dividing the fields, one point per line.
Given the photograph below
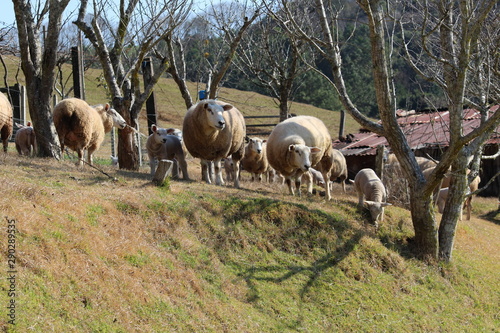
x=5 y=121
x=213 y=130
x=25 y=139
x=229 y=168
x=297 y=144
x=161 y=145
x=255 y=159
x=371 y=193
x=82 y=127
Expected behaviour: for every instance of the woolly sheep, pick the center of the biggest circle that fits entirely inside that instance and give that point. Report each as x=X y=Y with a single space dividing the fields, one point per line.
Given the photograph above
x=82 y=127
x=229 y=168
x=371 y=193
x=213 y=130
x=255 y=160
x=297 y=144
x=392 y=163
x=161 y=145
x=5 y=121
x=25 y=139
x=442 y=194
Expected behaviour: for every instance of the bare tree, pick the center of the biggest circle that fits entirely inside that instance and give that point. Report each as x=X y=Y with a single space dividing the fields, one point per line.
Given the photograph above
x=454 y=56
x=122 y=37
x=272 y=60
x=452 y=44
x=38 y=61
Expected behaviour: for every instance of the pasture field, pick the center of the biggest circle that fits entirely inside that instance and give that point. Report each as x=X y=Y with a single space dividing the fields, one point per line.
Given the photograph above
x=116 y=254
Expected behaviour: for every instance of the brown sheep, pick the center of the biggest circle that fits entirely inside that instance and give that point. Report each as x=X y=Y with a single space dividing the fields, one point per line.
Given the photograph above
x=25 y=139
x=213 y=130
x=297 y=144
x=5 y=121
x=82 y=127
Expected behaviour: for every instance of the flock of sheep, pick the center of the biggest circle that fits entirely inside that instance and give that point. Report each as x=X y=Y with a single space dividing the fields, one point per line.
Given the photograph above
x=298 y=149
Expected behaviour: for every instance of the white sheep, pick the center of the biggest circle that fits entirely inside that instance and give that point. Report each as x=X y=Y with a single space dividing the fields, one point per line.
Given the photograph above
x=213 y=130
x=161 y=145
x=255 y=159
x=371 y=193
x=83 y=127
x=339 y=168
x=5 y=121
x=297 y=144
x=25 y=139
x=229 y=168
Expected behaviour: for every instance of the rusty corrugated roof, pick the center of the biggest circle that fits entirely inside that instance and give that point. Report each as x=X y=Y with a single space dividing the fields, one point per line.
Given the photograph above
x=421 y=130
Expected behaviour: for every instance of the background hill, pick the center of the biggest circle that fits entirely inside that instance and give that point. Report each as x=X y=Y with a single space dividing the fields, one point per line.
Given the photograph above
x=95 y=254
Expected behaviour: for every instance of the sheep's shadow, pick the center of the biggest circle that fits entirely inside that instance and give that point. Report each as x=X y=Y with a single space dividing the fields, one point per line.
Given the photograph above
x=493 y=216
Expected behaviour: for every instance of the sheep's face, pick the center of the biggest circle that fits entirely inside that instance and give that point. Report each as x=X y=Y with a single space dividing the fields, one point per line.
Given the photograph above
x=376 y=210
x=118 y=120
x=255 y=145
x=215 y=114
x=159 y=134
x=299 y=156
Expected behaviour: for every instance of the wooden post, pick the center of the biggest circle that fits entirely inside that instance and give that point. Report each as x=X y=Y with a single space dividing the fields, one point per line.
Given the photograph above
x=163 y=170
x=148 y=73
x=379 y=161
x=342 y=124
x=77 y=75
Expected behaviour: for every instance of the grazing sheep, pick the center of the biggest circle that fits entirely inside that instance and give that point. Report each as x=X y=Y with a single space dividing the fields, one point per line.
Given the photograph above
x=25 y=139
x=371 y=193
x=255 y=159
x=213 y=130
x=82 y=127
x=161 y=145
x=297 y=144
x=5 y=121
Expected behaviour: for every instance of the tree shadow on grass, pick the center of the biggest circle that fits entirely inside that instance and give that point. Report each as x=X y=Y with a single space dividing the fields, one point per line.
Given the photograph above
x=493 y=216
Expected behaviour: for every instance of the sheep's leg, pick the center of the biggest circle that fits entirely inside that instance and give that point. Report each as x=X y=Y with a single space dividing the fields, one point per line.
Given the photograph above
x=80 y=157
x=288 y=181
x=309 y=181
x=326 y=177
x=205 y=172
x=175 y=169
x=152 y=164
x=184 y=169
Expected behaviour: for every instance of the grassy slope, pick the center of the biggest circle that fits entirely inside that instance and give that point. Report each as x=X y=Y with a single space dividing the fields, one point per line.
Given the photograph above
x=95 y=254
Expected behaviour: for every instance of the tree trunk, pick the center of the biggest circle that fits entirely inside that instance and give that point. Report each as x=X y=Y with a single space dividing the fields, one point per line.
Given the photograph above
x=424 y=224
x=128 y=148
x=453 y=209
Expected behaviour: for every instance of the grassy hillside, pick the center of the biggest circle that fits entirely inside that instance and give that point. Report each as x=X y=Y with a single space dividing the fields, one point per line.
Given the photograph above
x=97 y=254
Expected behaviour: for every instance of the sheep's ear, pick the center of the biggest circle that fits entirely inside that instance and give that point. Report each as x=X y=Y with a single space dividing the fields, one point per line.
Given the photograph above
x=154 y=128
x=315 y=150
x=106 y=107
x=247 y=139
x=264 y=141
x=170 y=130
x=291 y=147
x=351 y=181
x=384 y=204
x=227 y=107
x=369 y=203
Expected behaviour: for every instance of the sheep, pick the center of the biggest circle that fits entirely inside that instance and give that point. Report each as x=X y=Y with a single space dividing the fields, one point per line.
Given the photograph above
x=161 y=145
x=297 y=144
x=25 y=139
x=392 y=163
x=5 y=121
x=229 y=168
x=255 y=159
x=442 y=193
x=82 y=127
x=213 y=130
x=371 y=193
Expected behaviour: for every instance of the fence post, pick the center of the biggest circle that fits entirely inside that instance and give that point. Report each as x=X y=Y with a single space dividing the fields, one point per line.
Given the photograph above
x=148 y=72
x=342 y=124
x=78 y=89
